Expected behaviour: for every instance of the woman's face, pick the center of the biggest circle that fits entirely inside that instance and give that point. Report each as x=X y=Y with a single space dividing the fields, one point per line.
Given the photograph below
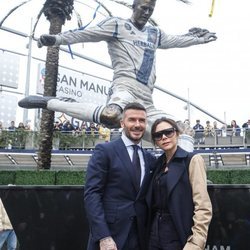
x=167 y=138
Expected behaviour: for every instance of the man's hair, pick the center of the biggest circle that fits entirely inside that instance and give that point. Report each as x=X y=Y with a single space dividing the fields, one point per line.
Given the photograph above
x=134 y=105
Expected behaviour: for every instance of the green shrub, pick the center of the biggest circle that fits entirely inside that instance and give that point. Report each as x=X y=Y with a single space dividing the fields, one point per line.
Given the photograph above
x=70 y=178
x=229 y=176
x=241 y=176
x=7 y=177
x=49 y=177
x=42 y=177
x=219 y=176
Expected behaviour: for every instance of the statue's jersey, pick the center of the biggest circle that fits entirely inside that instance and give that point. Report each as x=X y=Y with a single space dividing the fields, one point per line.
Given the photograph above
x=132 y=51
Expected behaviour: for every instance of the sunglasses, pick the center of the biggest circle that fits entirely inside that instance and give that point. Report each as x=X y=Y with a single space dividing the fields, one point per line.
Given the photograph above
x=157 y=136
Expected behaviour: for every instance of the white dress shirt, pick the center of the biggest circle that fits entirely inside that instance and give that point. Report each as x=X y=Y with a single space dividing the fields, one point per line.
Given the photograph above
x=128 y=143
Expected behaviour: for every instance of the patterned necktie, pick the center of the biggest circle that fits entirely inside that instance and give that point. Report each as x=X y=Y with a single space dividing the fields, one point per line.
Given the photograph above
x=137 y=165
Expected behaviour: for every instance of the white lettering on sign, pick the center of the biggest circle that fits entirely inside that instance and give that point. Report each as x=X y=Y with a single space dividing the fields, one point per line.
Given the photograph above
x=79 y=86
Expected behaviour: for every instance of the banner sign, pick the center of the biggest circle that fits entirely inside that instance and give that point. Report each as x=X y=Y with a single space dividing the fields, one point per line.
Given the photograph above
x=79 y=86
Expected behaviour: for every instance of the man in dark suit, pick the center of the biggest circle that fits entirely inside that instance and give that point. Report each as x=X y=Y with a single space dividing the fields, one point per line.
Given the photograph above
x=114 y=197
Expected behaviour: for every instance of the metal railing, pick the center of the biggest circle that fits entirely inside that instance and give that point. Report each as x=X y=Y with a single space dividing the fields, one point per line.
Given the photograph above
x=73 y=140
x=72 y=150
x=220 y=138
x=78 y=140
x=22 y=139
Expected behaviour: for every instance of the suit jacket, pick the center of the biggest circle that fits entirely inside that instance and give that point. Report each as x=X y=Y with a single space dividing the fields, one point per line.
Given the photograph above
x=111 y=199
x=188 y=200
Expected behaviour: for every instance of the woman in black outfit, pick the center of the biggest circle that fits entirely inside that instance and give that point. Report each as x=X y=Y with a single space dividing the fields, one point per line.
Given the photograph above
x=181 y=207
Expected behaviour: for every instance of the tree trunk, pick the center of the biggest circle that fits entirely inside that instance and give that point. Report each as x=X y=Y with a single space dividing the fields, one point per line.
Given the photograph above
x=56 y=11
x=50 y=84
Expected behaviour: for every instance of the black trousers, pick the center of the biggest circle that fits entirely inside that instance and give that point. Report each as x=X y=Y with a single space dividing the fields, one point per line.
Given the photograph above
x=163 y=235
x=132 y=242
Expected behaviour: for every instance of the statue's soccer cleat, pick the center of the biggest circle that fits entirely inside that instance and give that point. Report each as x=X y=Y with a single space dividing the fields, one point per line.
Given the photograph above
x=34 y=101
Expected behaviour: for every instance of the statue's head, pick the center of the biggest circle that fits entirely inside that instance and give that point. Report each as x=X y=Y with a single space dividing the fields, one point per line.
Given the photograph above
x=142 y=1
x=142 y=11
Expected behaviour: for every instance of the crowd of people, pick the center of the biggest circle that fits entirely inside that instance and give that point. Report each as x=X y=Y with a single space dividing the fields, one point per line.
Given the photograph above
x=89 y=129
x=233 y=129
x=93 y=131
x=213 y=130
x=12 y=126
x=14 y=136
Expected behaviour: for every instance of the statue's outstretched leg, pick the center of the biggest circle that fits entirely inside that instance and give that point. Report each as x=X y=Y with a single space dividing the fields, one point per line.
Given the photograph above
x=109 y=115
x=84 y=111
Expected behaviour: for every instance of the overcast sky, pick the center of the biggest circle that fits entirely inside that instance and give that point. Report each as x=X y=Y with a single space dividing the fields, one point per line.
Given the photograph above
x=216 y=75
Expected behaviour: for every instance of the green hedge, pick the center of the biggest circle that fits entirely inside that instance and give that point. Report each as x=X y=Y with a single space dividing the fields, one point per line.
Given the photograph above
x=45 y=177
x=227 y=176
x=7 y=177
x=219 y=176
x=49 y=177
x=42 y=177
x=70 y=178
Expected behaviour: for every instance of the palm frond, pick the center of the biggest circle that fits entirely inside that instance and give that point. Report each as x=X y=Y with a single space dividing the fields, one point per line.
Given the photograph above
x=36 y=22
x=122 y=3
x=104 y=7
x=78 y=18
x=185 y=1
x=12 y=10
x=62 y=8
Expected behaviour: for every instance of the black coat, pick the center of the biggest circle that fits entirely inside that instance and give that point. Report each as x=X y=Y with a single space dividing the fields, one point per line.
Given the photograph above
x=180 y=201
